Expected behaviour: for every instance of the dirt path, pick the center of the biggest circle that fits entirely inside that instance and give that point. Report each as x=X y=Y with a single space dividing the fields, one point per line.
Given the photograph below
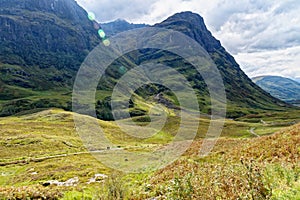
x=252 y=131
x=28 y=160
x=40 y=159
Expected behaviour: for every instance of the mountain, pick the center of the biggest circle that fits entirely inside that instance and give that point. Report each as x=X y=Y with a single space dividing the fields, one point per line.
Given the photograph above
x=43 y=43
x=42 y=36
x=297 y=79
x=282 y=88
x=119 y=25
x=242 y=94
x=244 y=97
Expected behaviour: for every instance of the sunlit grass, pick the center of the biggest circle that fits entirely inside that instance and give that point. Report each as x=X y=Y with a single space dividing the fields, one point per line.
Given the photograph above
x=52 y=132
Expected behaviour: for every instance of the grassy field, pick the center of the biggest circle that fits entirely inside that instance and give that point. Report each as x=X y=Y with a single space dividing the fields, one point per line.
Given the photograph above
x=248 y=162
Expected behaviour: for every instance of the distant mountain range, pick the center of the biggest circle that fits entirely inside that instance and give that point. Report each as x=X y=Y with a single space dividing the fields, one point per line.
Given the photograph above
x=44 y=42
x=120 y=25
x=282 y=88
x=297 y=79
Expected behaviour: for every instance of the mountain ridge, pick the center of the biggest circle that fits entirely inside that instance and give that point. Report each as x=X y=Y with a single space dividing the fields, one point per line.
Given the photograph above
x=283 y=88
x=120 y=25
x=233 y=76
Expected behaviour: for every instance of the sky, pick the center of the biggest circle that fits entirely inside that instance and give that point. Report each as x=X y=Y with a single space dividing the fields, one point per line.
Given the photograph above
x=262 y=35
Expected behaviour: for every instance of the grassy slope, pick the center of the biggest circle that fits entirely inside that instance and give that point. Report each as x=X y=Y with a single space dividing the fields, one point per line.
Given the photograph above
x=260 y=168
x=52 y=132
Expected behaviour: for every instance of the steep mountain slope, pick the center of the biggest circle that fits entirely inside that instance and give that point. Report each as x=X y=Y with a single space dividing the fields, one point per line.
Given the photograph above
x=43 y=43
x=240 y=90
x=47 y=39
x=282 y=88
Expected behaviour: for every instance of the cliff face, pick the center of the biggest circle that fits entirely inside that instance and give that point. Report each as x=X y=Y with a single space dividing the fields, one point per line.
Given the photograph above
x=45 y=33
x=42 y=45
x=67 y=9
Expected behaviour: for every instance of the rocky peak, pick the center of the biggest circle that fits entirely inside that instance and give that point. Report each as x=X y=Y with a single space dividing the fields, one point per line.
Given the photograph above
x=192 y=25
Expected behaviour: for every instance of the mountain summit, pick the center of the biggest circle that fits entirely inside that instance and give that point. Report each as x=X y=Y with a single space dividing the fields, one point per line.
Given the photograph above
x=241 y=91
x=192 y=25
x=119 y=25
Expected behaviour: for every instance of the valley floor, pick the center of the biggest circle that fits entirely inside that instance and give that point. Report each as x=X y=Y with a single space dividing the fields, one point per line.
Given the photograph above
x=257 y=157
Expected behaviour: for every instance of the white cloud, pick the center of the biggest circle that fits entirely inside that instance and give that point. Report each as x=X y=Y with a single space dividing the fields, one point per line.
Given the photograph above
x=284 y=62
x=259 y=33
x=109 y=10
x=261 y=29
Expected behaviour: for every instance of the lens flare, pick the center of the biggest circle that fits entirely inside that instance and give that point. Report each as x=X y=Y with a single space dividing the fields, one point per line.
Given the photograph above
x=106 y=42
x=91 y=16
x=101 y=33
x=96 y=25
x=122 y=70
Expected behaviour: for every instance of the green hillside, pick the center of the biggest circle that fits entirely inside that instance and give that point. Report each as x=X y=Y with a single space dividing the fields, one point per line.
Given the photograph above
x=44 y=146
x=56 y=36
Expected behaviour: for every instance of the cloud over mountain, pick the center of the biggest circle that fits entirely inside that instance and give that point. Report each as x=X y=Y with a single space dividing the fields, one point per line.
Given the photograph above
x=262 y=34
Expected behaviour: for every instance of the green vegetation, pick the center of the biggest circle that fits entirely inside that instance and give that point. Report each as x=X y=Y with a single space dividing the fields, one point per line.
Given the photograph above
x=40 y=75
x=43 y=146
x=43 y=157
